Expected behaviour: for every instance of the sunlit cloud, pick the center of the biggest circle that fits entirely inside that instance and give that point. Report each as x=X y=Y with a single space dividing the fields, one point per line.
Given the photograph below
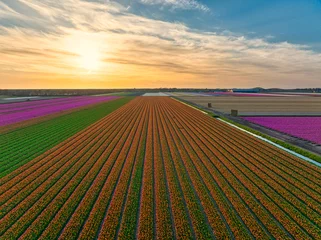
x=101 y=44
x=178 y=4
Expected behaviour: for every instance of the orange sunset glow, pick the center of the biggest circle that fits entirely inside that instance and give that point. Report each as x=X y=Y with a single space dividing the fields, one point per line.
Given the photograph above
x=94 y=44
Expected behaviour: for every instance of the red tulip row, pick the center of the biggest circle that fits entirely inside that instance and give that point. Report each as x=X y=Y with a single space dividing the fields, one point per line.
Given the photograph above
x=292 y=163
x=284 y=162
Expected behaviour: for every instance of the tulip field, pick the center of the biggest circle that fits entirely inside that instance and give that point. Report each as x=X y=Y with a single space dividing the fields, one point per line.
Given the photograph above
x=22 y=142
x=307 y=128
x=16 y=112
x=240 y=94
x=154 y=168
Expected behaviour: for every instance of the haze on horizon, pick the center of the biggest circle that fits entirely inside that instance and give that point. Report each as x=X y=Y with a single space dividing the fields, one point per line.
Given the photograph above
x=160 y=43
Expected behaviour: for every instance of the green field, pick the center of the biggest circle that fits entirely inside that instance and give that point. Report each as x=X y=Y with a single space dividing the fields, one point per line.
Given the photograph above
x=22 y=145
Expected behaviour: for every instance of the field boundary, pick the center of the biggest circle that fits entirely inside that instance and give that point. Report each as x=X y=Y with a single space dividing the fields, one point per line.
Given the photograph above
x=39 y=119
x=189 y=105
x=274 y=144
x=304 y=148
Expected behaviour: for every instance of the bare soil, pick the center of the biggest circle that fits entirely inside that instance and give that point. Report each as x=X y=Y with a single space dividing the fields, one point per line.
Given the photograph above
x=247 y=106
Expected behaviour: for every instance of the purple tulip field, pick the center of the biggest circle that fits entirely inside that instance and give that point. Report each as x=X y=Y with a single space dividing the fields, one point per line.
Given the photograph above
x=237 y=94
x=308 y=128
x=16 y=112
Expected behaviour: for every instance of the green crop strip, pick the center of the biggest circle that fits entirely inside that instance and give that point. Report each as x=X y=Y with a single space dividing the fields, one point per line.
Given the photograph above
x=22 y=145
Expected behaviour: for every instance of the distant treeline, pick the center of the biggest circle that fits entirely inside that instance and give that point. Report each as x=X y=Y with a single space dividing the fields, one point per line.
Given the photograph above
x=301 y=90
x=72 y=92
x=79 y=92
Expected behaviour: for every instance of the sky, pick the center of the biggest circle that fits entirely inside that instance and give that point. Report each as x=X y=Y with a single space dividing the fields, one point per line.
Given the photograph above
x=160 y=43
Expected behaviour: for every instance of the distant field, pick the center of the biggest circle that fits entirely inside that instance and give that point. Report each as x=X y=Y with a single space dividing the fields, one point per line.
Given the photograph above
x=308 y=128
x=122 y=94
x=16 y=112
x=152 y=94
x=9 y=99
x=261 y=105
x=300 y=94
x=181 y=94
x=158 y=169
x=237 y=94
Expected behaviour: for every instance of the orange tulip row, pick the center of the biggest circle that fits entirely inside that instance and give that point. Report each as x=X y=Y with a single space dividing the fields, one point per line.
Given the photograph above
x=222 y=217
x=34 y=203
x=291 y=165
x=259 y=162
x=72 y=205
x=286 y=186
x=146 y=219
x=13 y=182
x=193 y=189
x=231 y=191
x=228 y=189
x=164 y=221
x=48 y=178
x=156 y=168
x=76 y=221
x=94 y=221
x=109 y=228
x=180 y=216
x=298 y=170
x=129 y=221
x=229 y=149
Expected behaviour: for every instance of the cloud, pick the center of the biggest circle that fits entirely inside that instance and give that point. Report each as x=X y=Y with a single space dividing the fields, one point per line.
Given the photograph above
x=178 y=4
x=135 y=51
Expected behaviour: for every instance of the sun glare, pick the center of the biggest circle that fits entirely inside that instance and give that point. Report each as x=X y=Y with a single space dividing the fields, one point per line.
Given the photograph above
x=88 y=47
x=89 y=60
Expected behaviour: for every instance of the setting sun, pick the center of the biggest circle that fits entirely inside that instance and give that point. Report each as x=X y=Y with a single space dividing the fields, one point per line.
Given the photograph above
x=89 y=59
x=88 y=50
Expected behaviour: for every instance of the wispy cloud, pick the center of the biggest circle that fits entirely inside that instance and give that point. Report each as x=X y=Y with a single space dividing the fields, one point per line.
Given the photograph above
x=47 y=49
x=178 y=4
